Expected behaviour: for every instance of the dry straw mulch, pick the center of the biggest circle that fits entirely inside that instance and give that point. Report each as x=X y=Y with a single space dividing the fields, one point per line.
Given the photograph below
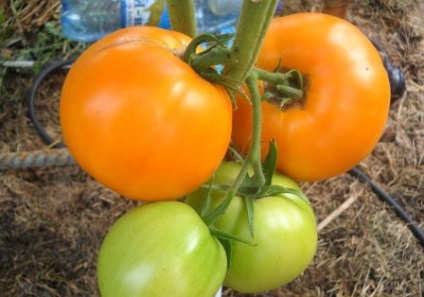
x=53 y=219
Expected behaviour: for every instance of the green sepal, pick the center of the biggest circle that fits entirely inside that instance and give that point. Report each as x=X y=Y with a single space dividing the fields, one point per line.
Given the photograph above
x=206 y=38
x=269 y=165
x=289 y=94
x=226 y=241
x=227 y=244
x=210 y=217
x=248 y=202
x=235 y=154
x=275 y=190
x=207 y=201
x=232 y=86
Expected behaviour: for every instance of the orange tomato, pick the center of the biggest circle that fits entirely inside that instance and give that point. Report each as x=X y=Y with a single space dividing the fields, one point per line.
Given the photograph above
x=346 y=103
x=139 y=120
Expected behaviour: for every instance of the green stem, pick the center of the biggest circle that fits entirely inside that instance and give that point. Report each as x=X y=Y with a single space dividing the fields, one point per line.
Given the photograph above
x=220 y=210
x=218 y=53
x=182 y=16
x=254 y=21
x=254 y=156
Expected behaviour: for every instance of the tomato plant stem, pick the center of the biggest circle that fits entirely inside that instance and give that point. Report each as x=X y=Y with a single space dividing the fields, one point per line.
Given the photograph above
x=182 y=16
x=255 y=18
x=221 y=209
x=254 y=21
x=254 y=156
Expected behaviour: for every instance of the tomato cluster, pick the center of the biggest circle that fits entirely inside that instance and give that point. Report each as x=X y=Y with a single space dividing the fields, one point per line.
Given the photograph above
x=142 y=122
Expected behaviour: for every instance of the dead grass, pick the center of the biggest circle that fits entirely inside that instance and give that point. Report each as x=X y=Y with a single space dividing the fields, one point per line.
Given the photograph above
x=53 y=219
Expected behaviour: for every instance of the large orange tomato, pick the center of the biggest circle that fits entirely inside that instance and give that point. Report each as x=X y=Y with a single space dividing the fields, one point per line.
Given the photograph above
x=346 y=101
x=140 y=120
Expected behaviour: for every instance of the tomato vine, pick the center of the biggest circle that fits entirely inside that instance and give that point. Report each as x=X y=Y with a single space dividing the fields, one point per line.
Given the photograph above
x=238 y=61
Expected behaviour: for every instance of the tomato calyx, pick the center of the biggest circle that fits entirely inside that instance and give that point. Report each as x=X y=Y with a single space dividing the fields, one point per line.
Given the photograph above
x=237 y=60
x=247 y=187
x=259 y=184
x=216 y=55
x=283 y=88
x=216 y=52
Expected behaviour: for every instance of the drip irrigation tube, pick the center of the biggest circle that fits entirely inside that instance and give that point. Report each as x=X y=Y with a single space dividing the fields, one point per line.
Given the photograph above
x=31 y=99
x=391 y=201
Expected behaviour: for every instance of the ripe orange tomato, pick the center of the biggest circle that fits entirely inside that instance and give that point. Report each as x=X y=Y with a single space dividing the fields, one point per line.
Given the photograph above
x=140 y=120
x=346 y=103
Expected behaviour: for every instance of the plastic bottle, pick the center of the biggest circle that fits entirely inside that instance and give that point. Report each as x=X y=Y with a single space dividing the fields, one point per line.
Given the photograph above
x=220 y=16
x=217 y=16
x=89 y=20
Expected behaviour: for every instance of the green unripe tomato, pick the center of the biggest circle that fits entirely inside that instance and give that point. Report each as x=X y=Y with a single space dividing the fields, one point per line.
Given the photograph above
x=160 y=249
x=285 y=234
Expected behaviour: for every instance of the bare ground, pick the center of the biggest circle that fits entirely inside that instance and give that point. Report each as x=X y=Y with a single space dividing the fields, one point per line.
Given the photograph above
x=52 y=219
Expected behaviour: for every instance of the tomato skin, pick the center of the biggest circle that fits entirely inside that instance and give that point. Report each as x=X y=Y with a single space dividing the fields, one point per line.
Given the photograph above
x=140 y=120
x=160 y=249
x=285 y=234
x=347 y=99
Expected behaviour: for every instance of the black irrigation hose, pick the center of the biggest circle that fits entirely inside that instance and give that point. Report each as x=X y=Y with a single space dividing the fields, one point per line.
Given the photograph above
x=413 y=226
x=31 y=98
x=399 y=210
